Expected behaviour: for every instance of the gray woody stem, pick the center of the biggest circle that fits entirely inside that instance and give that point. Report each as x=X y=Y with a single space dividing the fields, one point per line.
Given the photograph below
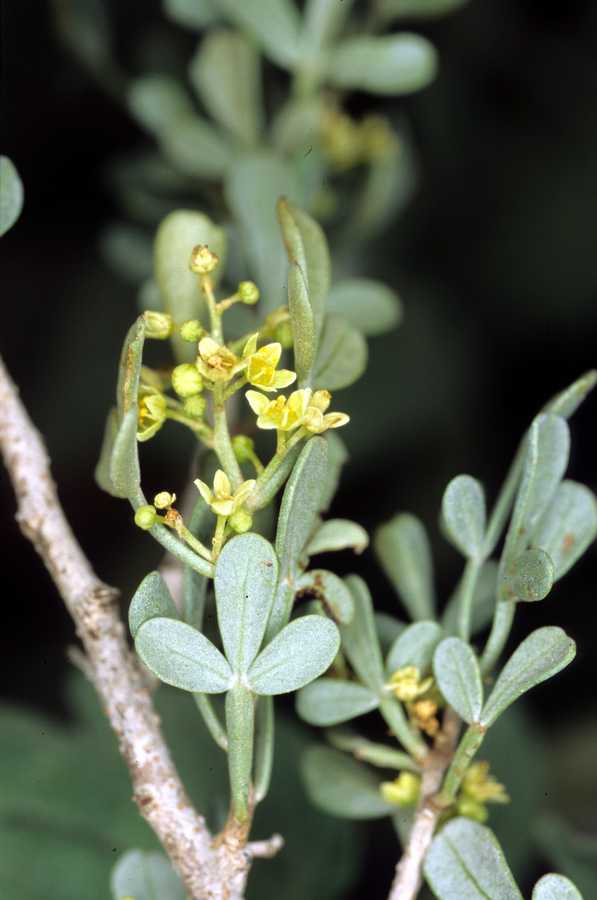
x=409 y=871
x=210 y=870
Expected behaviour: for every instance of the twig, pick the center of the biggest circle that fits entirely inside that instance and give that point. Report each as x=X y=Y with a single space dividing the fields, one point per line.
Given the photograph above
x=409 y=874
x=209 y=871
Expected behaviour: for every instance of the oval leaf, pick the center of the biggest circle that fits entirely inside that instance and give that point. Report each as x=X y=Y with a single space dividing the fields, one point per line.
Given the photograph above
x=342 y=355
x=555 y=887
x=544 y=653
x=196 y=148
x=191 y=13
x=338 y=534
x=329 y=701
x=529 y=577
x=417 y=9
x=466 y=861
x=151 y=600
x=125 y=473
x=300 y=653
x=158 y=103
x=183 y=657
x=402 y=547
x=394 y=64
x=102 y=469
x=463 y=512
x=145 y=876
x=332 y=592
x=341 y=786
x=568 y=526
x=414 y=646
x=567 y=401
x=372 y=307
x=245 y=584
x=303 y=326
x=274 y=24
x=11 y=194
x=458 y=677
x=359 y=638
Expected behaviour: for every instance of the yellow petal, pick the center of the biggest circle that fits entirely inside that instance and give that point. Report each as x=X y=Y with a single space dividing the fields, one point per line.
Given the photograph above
x=299 y=401
x=257 y=402
x=284 y=378
x=251 y=345
x=266 y=423
x=221 y=484
x=335 y=420
x=270 y=354
x=241 y=493
x=313 y=420
x=321 y=400
x=223 y=507
x=207 y=347
x=204 y=489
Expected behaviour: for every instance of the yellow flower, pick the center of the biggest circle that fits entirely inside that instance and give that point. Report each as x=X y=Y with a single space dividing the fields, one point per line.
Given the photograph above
x=406 y=684
x=151 y=414
x=424 y=715
x=216 y=362
x=302 y=407
x=315 y=421
x=203 y=260
x=403 y=791
x=261 y=368
x=221 y=500
x=480 y=786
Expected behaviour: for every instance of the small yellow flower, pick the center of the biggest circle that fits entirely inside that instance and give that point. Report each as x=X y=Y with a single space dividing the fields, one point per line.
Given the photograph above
x=221 y=500
x=283 y=413
x=424 y=715
x=164 y=500
x=151 y=414
x=203 y=260
x=482 y=787
x=261 y=368
x=216 y=362
x=315 y=421
x=471 y=809
x=403 y=791
x=158 y=325
x=407 y=685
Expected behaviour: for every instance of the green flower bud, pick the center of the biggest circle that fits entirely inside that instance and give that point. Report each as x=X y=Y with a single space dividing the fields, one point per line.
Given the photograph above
x=403 y=791
x=243 y=447
x=195 y=406
x=283 y=335
x=472 y=809
x=203 y=260
x=145 y=517
x=158 y=325
x=192 y=331
x=240 y=521
x=164 y=500
x=186 y=380
x=248 y=292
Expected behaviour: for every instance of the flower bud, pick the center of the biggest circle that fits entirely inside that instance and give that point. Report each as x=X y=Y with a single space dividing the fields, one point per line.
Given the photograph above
x=203 y=260
x=186 y=380
x=164 y=500
x=472 y=809
x=403 y=791
x=240 y=521
x=195 y=406
x=145 y=517
x=192 y=331
x=248 y=292
x=243 y=447
x=158 y=325
x=283 y=335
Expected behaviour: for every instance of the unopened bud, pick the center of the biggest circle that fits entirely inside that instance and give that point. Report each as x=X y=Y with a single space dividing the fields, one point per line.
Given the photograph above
x=203 y=260
x=283 y=335
x=186 y=380
x=192 y=331
x=248 y=292
x=240 y=521
x=403 y=791
x=145 y=517
x=243 y=447
x=472 y=809
x=164 y=500
x=158 y=325
x=195 y=406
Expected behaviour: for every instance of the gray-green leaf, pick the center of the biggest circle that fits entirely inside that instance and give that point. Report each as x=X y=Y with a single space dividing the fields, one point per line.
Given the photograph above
x=125 y=473
x=11 y=194
x=414 y=646
x=341 y=786
x=544 y=653
x=342 y=355
x=330 y=701
x=369 y=305
x=555 y=887
x=402 y=547
x=274 y=24
x=463 y=512
x=102 y=469
x=391 y=10
x=466 y=862
x=568 y=526
x=332 y=592
x=151 y=600
x=158 y=103
x=301 y=652
x=302 y=324
x=338 y=534
x=529 y=577
x=192 y=13
x=359 y=638
x=394 y=64
x=245 y=584
x=183 y=657
x=458 y=677
x=141 y=875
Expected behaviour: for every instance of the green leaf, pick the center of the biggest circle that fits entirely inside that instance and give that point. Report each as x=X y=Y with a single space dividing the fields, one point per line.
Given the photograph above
x=368 y=751
x=151 y=600
x=226 y=74
x=391 y=10
x=402 y=547
x=394 y=64
x=302 y=324
x=543 y=654
x=371 y=306
x=458 y=677
x=341 y=786
x=307 y=246
x=323 y=20
x=529 y=577
x=297 y=655
x=567 y=401
x=176 y=236
x=192 y=13
x=11 y=194
x=414 y=646
x=145 y=876
x=359 y=638
x=388 y=629
x=125 y=473
x=483 y=602
x=297 y=518
x=546 y=459
x=463 y=512
x=102 y=469
x=342 y=355
x=253 y=186
x=555 y=887
x=466 y=862
x=264 y=746
x=183 y=657
x=129 y=370
x=197 y=149
x=158 y=103
x=332 y=592
x=329 y=701
x=245 y=585
x=338 y=534
x=274 y=25
x=568 y=526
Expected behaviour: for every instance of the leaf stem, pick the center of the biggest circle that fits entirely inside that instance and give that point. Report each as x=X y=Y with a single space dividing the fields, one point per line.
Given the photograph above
x=469 y=744
x=467 y=593
x=394 y=715
x=222 y=441
x=499 y=634
x=211 y=719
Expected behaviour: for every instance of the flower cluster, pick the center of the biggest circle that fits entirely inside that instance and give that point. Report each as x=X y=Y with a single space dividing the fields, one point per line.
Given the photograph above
x=302 y=408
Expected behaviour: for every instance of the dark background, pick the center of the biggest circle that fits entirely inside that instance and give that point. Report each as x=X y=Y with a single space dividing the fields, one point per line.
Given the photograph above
x=496 y=261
